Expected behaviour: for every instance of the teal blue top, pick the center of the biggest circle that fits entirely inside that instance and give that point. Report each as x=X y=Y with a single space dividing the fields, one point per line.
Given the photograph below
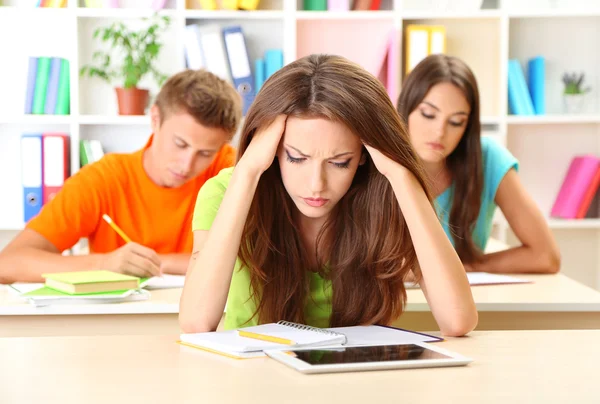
x=497 y=161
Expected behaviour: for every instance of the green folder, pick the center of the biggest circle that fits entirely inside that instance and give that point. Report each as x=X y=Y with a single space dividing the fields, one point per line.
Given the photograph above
x=63 y=95
x=315 y=5
x=41 y=85
x=48 y=292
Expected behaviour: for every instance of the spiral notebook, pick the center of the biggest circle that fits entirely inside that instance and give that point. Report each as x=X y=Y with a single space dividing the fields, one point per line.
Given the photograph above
x=252 y=341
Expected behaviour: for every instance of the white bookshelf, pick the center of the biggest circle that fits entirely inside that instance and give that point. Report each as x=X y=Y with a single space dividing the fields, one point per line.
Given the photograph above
x=567 y=35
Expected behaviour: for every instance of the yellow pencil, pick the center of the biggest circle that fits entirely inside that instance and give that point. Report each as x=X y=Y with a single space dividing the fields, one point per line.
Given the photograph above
x=263 y=337
x=116 y=228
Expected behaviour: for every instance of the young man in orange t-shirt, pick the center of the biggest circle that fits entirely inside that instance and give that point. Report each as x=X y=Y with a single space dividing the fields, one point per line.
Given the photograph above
x=150 y=194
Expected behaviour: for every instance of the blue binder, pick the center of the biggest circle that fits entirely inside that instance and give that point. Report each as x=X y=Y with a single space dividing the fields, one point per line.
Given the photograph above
x=31 y=174
x=259 y=74
x=273 y=61
x=537 y=81
x=239 y=64
x=519 y=100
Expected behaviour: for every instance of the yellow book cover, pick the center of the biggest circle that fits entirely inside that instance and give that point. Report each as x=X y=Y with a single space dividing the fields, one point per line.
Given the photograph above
x=249 y=4
x=208 y=4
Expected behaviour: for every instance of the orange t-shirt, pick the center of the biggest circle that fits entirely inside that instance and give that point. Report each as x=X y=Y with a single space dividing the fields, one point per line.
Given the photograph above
x=157 y=217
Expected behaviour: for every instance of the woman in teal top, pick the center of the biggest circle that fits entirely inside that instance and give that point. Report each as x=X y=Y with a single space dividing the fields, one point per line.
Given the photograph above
x=471 y=175
x=324 y=215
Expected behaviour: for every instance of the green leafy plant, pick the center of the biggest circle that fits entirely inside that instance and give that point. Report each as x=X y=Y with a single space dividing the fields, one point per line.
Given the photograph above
x=573 y=83
x=129 y=54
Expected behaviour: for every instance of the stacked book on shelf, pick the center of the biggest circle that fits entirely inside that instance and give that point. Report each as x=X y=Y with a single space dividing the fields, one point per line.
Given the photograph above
x=48 y=86
x=422 y=41
x=90 y=151
x=228 y=4
x=45 y=166
x=341 y=5
x=223 y=52
x=527 y=96
x=578 y=189
x=50 y=3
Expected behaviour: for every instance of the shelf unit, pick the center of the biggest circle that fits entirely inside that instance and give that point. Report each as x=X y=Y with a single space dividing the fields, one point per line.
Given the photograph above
x=484 y=38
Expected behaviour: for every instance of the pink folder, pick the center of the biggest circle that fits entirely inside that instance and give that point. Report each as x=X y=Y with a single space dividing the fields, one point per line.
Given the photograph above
x=575 y=184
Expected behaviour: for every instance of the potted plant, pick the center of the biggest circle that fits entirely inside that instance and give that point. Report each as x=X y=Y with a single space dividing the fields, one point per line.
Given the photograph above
x=127 y=57
x=574 y=94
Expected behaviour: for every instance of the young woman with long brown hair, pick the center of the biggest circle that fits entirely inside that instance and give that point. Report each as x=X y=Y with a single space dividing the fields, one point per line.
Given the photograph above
x=323 y=216
x=471 y=175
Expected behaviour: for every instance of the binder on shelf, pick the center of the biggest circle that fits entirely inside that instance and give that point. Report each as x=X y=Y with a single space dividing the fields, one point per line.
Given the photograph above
x=577 y=181
x=273 y=61
x=239 y=64
x=361 y=5
x=519 y=100
x=259 y=74
x=208 y=4
x=315 y=5
x=55 y=161
x=213 y=51
x=589 y=195
x=338 y=5
x=248 y=4
x=31 y=174
x=193 y=49
x=63 y=94
x=230 y=4
x=31 y=76
x=158 y=4
x=537 y=79
x=52 y=91
x=41 y=85
x=422 y=41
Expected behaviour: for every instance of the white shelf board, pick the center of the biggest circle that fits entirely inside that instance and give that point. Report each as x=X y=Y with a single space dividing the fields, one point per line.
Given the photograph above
x=36 y=119
x=490 y=120
x=554 y=13
x=574 y=223
x=421 y=15
x=114 y=120
x=344 y=15
x=552 y=119
x=237 y=15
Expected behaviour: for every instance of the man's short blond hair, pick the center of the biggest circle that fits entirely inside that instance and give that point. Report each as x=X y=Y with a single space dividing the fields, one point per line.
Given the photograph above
x=210 y=100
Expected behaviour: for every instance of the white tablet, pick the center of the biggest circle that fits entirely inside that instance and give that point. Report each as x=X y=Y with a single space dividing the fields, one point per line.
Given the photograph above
x=361 y=358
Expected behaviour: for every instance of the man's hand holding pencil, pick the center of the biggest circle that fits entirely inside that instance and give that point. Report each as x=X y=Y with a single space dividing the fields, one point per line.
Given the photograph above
x=132 y=258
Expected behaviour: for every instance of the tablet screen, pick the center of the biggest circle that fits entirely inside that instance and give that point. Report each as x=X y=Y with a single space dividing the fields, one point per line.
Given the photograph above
x=384 y=353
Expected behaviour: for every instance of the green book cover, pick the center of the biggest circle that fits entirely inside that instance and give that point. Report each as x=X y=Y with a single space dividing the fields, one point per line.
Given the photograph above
x=49 y=292
x=315 y=5
x=84 y=156
x=41 y=85
x=81 y=277
x=63 y=94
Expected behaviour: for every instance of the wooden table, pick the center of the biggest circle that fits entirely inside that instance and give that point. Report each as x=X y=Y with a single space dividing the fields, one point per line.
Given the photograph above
x=509 y=366
x=550 y=302
x=157 y=316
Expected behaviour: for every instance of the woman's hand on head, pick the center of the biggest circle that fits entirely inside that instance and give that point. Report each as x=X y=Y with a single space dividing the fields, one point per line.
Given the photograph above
x=262 y=149
x=385 y=165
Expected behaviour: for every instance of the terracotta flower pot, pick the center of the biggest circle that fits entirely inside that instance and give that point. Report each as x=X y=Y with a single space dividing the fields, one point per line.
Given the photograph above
x=132 y=101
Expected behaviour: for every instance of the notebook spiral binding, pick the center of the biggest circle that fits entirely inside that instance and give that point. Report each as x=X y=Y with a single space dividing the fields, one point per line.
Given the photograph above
x=309 y=328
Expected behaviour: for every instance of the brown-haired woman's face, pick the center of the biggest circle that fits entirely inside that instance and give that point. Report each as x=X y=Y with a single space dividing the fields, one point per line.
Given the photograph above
x=439 y=122
x=318 y=159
